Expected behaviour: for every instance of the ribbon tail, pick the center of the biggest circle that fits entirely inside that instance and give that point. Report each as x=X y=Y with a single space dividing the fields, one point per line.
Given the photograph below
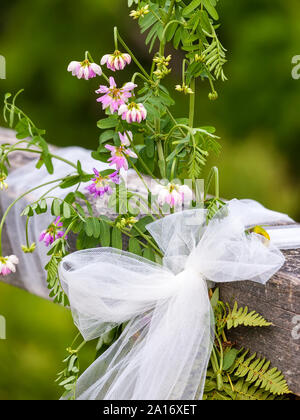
x=161 y=355
x=164 y=351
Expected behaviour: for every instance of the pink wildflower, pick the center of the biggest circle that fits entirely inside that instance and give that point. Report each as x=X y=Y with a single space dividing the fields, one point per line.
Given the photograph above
x=101 y=184
x=7 y=265
x=53 y=232
x=133 y=112
x=84 y=70
x=115 y=97
x=119 y=154
x=173 y=194
x=116 y=61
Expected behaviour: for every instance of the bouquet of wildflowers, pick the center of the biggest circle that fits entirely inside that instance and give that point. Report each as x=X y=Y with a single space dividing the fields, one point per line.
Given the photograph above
x=139 y=132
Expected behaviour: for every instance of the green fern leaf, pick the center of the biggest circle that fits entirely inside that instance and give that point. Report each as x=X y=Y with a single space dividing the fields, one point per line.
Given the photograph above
x=243 y=391
x=241 y=316
x=256 y=371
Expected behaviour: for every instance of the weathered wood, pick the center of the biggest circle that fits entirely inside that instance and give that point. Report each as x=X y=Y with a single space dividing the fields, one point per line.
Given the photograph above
x=278 y=302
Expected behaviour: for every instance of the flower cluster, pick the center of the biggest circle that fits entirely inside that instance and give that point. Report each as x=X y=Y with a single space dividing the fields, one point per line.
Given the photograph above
x=84 y=70
x=185 y=89
x=173 y=194
x=162 y=66
x=8 y=265
x=116 y=61
x=120 y=153
x=126 y=222
x=53 y=232
x=133 y=112
x=102 y=184
x=141 y=12
x=114 y=97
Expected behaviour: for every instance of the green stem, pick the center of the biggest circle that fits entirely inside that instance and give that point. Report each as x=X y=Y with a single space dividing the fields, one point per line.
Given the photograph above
x=147 y=239
x=26 y=232
x=139 y=175
x=192 y=103
x=68 y=229
x=214 y=172
x=168 y=17
x=40 y=152
x=161 y=159
x=221 y=352
x=183 y=71
x=80 y=346
x=18 y=199
x=168 y=24
x=146 y=167
x=131 y=53
x=93 y=61
x=143 y=203
x=75 y=339
x=217 y=370
x=141 y=76
x=116 y=38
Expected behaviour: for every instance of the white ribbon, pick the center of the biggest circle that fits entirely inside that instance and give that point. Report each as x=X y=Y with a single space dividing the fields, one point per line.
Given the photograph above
x=165 y=348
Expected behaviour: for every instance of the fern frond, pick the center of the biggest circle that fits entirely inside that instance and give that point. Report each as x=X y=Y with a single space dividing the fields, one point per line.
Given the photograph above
x=256 y=371
x=240 y=316
x=215 y=57
x=244 y=391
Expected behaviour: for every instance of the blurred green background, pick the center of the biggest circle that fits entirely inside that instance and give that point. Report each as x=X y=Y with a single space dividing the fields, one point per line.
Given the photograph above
x=257 y=116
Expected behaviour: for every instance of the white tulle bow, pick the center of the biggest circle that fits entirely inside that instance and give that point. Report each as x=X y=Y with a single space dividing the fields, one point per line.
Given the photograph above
x=165 y=348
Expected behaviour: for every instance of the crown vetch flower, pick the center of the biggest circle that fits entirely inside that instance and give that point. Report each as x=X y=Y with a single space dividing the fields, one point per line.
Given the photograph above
x=53 y=232
x=115 y=97
x=84 y=69
x=8 y=265
x=133 y=112
x=172 y=194
x=102 y=184
x=119 y=156
x=116 y=61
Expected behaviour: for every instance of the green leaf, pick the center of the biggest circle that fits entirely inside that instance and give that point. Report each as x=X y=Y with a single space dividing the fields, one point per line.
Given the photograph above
x=204 y=20
x=104 y=233
x=191 y=7
x=55 y=208
x=149 y=254
x=92 y=227
x=134 y=246
x=110 y=122
x=107 y=135
x=215 y=298
x=208 y=4
x=141 y=225
x=27 y=211
x=230 y=358
x=66 y=210
x=116 y=238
